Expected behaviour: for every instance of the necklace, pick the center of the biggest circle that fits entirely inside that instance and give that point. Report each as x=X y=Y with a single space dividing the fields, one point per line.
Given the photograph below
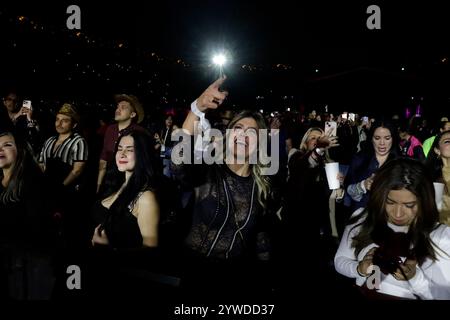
x=230 y=203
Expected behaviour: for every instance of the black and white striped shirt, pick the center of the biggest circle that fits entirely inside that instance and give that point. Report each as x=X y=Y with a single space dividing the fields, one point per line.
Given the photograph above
x=71 y=150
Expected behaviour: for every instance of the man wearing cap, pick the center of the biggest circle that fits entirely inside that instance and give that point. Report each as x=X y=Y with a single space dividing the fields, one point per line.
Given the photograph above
x=128 y=114
x=63 y=159
x=64 y=156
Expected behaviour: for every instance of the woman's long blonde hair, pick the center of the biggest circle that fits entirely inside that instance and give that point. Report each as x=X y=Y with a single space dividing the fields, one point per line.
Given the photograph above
x=303 y=144
x=262 y=181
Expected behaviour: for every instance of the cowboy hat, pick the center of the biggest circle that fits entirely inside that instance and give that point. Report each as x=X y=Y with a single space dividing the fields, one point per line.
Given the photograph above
x=134 y=102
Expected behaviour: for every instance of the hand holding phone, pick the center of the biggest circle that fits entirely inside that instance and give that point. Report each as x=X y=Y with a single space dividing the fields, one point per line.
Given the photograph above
x=351 y=117
x=26 y=104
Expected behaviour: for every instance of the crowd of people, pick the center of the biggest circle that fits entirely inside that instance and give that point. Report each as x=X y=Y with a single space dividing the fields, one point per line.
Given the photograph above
x=112 y=200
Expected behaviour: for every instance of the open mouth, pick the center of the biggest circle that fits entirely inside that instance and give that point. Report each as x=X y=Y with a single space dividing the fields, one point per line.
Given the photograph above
x=123 y=162
x=240 y=141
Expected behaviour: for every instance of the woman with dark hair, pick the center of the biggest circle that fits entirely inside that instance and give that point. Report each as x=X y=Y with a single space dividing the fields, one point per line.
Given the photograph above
x=439 y=163
x=382 y=145
x=25 y=223
x=128 y=214
x=127 y=218
x=398 y=235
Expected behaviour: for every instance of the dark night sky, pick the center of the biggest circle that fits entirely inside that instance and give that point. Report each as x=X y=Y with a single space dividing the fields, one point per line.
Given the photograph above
x=328 y=35
x=256 y=31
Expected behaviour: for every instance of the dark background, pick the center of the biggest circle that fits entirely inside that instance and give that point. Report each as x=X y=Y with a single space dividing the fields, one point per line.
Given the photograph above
x=302 y=55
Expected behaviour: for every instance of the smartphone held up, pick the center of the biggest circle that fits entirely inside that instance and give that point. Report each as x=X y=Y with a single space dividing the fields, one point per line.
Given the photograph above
x=26 y=104
x=331 y=128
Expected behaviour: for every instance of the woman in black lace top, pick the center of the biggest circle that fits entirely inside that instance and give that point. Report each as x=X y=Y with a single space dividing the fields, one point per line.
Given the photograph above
x=230 y=199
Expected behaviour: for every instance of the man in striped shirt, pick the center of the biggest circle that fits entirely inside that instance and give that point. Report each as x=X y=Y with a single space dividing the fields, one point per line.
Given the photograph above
x=63 y=157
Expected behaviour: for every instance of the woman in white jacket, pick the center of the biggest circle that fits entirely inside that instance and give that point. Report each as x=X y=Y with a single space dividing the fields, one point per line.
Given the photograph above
x=396 y=245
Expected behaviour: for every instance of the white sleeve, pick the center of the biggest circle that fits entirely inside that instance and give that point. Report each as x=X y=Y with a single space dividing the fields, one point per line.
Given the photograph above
x=420 y=285
x=433 y=281
x=345 y=261
x=356 y=191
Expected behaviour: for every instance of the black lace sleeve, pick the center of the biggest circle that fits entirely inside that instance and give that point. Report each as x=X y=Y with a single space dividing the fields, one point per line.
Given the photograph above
x=192 y=172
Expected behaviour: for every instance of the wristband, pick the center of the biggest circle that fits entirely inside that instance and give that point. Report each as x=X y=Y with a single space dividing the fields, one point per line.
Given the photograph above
x=203 y=121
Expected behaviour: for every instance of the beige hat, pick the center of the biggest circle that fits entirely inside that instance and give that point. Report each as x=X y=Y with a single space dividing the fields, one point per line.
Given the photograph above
x=69 y=110
x=134 y=102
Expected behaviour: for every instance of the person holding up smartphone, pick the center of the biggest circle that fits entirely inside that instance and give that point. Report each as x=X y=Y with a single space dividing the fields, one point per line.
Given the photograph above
x=22 y=119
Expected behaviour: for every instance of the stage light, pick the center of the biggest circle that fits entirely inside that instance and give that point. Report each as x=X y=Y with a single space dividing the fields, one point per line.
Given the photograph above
x=219 y=60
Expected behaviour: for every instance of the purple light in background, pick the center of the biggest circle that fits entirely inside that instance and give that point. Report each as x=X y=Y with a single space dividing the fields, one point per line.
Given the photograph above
x=418 y=111
x=407 y=113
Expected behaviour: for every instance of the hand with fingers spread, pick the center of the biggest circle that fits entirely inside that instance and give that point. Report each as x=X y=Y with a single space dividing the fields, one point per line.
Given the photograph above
x=327 y=141
x=212 y=97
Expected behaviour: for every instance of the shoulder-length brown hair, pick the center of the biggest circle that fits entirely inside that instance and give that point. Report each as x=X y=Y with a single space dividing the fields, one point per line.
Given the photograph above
x=400 y=174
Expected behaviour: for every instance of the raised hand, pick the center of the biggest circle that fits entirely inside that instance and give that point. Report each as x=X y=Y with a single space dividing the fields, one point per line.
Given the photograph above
x=327 y=141
x=28 y=112
x=212 y=97
x=368 y=182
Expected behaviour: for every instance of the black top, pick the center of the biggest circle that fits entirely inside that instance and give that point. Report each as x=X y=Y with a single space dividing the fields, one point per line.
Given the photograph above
x=27 y=223
x=306 y=208
x=121 y=228
x=228 y=221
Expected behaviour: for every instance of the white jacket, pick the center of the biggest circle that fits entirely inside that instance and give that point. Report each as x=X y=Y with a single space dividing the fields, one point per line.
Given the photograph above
x=431 y=281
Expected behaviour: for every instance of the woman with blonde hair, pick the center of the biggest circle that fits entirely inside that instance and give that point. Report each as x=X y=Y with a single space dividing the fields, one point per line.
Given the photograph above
x=229 y=198
x=230 y=202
